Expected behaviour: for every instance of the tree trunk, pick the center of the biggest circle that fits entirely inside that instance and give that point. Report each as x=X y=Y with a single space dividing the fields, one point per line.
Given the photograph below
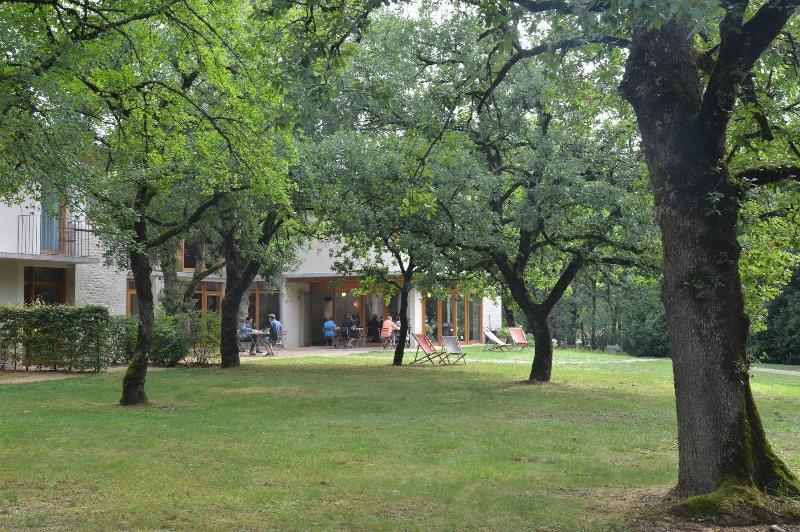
x=720 y=437
x=239 y=275
x=403 y=335
x=593 y=320
x=136 y=374
x=172 y=293
x=542 y=366
x=229 y=332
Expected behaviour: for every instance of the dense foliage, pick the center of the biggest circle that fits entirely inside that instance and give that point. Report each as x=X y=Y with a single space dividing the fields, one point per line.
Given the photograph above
x=58 y=337
x=780 y=342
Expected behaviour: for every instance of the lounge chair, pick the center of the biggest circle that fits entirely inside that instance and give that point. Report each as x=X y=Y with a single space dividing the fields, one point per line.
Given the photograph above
x=494 y=343
x=429 y=353
x=453 y=348
x=518 y=338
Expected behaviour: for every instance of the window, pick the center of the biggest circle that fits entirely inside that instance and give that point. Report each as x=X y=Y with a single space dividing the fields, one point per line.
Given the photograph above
x=188 y=256
x=45 y=285
x=455 y=315
x=132 y=306
x=263 y=301
x=208 y=296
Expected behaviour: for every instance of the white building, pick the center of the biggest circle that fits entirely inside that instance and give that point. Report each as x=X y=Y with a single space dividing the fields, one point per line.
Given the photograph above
x=55 y=259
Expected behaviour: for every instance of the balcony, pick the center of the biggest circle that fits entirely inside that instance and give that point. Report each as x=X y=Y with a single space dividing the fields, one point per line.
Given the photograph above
x=52 y=236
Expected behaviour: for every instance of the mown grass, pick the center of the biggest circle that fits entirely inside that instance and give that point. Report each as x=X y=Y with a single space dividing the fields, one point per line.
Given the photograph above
x=352 y=443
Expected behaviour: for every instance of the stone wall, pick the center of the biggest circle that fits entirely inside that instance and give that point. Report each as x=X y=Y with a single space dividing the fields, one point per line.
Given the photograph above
x=492 y=314
x=98 y=284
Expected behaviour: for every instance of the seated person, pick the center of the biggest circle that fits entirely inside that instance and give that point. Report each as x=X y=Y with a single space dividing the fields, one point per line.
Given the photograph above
x=329 y=330
x=388 y=329
x=275 y=329
x=374 y=329
x=248 y=334
x=347 y=326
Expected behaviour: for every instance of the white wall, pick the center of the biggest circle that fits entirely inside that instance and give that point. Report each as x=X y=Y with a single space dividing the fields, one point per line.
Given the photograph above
x=415 y=311
x=294 y=313
x=11 y=283
x=9 y=221
x=315 y=259
x=98 y=284
x=492 y=314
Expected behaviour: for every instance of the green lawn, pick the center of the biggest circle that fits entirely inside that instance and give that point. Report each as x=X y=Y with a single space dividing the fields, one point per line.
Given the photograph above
x=353 y=443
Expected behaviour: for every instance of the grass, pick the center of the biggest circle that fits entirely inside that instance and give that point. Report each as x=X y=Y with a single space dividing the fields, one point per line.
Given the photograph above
x=353 y=443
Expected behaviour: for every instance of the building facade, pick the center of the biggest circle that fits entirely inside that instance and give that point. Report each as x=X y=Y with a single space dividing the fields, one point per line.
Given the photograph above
x=48 y=255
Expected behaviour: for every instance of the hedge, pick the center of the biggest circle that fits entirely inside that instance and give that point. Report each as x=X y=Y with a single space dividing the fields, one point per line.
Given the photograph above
x=59 y=337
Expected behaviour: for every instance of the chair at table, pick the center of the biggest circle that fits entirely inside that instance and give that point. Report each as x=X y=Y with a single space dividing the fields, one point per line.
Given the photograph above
x=453 y=348
x=387 y=338
x=429 y=353
x=280 y=343
x=329 y=335
x=345 y=337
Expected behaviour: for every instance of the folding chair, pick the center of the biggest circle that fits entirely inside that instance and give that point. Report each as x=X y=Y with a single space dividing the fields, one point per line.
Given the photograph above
x=452 y=347
x=329 y=335
x=494 y=343
x=429 y=353
x=388 y=339
x=280 y=343
x=518 y=337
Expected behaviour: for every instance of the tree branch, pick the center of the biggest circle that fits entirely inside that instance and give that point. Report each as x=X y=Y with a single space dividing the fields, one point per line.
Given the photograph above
x=740 y=47
x=763 y=176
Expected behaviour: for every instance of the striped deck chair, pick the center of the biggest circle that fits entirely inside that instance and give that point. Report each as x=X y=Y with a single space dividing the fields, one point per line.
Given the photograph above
x=429 y=353
x=494 y=343
x=453 y=348
x=518 y=337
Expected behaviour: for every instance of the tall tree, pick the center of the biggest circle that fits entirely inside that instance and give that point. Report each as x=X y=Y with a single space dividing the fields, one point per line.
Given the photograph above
x=385 y=212
x=688 y=66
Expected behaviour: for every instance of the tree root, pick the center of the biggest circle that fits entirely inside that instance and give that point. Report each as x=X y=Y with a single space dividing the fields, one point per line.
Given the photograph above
x=739 y=504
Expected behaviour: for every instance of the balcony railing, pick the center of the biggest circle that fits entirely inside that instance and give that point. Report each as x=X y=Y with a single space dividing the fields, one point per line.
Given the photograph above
x=48 y=235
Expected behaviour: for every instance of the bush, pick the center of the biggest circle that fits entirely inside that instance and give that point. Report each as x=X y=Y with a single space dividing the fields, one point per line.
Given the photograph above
x=175 y=338
x=205 y=337
x=643 y=324
x=60 y=337
x=121 y=339
x=780 y=342
x=171 y=335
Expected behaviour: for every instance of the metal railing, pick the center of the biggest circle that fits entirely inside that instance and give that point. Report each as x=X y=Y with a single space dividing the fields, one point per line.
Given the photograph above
x=48 y=235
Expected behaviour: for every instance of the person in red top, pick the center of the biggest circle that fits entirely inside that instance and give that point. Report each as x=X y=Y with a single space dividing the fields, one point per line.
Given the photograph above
x=387 y=329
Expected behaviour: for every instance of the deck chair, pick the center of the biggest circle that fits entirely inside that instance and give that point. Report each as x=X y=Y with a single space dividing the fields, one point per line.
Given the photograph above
x=429 y=353
x=453 y=348
x=518 y=339
x=494 y=343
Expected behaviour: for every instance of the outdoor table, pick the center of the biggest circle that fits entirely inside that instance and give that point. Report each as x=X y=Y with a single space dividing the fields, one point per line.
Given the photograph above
x=360 y=336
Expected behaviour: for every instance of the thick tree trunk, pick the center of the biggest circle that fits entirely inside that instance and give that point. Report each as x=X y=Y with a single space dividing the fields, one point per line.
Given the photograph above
x=239 y=275
x=399 y=349
x=136 y=374
x=229 y=332
x=542 y=366
x=720 y=436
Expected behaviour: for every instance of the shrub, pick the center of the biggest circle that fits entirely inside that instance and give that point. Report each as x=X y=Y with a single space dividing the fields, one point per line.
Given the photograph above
x=55 y=336
x=643 y=324
x=780 y=342
x=205 y=337
x=121 y=338
x=171 y=335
